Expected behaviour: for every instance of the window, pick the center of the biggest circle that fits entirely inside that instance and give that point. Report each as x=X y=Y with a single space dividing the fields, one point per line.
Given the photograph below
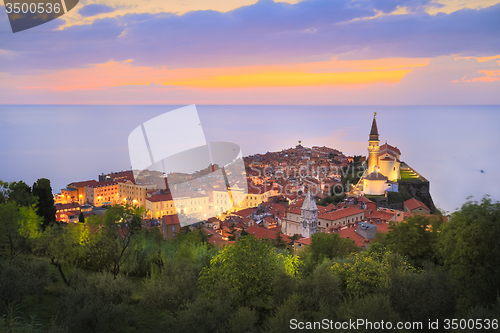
x=173 y=228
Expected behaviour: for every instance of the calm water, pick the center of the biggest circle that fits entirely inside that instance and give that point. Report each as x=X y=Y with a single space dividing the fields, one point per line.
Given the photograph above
x=454 y=147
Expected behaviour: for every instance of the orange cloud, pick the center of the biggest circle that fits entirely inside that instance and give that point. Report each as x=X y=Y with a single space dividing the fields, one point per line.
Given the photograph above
x=334 y=72
x=283 y=79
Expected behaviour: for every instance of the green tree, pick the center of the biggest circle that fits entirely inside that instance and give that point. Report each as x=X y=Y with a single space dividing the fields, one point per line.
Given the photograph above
x=232 y=232
x=326 y=246
x=248 y=268
x=172 y=288
x=279 y=242
x=205 y=315
x=366 y=272
x=293 y=238
x=415 y=238
x=112 y=243
x=290 y=309
x=96 y=303
x=81 y=218
x=321 y=293
x=63 y=246
x=21 y=278
x=471 y=252
x=20 y=193
x=45 y=206
x=4 y=187
x=17 y=226
x=370 y=308
x=422 y=295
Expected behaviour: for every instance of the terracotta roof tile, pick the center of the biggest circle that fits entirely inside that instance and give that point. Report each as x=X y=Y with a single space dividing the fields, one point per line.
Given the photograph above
x=384 y=216
x=262 y=233
x=339 y=214
x=244 y=212
x=84 y=183
x=171 y=219
x=413 y=203
x=160 y=197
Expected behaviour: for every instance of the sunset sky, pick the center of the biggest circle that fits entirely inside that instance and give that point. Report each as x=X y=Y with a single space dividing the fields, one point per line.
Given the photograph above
x=257 y=52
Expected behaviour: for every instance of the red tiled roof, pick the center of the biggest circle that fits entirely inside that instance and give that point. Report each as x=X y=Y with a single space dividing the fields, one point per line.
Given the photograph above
x=240 y=225
x=387 y=152
x=84 y=183
x=216 y=237
x=364 y=199
x=413 y=203
x=106 y=183
x=276 y=229
x=408 y=214
x=269 y=219
x=330 y=207
x=339 y=214
x=244 y=212
x=171 y=219
x=384 y=216
x=212 y=232
x=304 y=241
x=352 y=234
x=261 y=233
x=67 y=205
x=382 y=227
x=388 y=147
x=277 y=209
x=160 y=197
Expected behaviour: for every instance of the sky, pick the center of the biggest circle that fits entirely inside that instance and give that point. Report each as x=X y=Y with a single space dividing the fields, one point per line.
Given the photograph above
x=310 y=52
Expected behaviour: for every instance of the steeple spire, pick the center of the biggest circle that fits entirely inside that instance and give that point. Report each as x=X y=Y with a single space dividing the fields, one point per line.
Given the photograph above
x=309 y=216
x=374 y=131
x=373 y=146
x=309 y=203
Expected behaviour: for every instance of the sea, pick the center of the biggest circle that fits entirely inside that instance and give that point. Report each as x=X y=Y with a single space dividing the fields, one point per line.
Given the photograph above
x=455 y=147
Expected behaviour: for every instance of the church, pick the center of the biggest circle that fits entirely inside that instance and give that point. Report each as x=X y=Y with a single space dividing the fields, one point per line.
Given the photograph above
x=382 y=169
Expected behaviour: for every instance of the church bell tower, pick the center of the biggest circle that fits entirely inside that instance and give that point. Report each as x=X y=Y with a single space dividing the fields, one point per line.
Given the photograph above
x=309 y=216
x=373 y=147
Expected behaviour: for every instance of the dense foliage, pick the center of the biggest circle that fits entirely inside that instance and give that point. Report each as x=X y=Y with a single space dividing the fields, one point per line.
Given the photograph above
x=110 y=275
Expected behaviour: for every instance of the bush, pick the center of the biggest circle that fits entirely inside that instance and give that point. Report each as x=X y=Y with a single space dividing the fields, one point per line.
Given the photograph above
x=97 y=303
x=173 y=287
x=20 y=278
